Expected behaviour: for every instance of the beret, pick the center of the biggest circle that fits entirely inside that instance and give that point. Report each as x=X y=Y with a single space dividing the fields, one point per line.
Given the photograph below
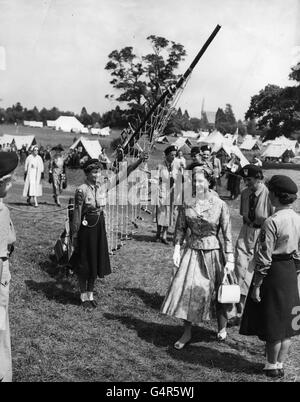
x=195 y=150
x=171 y=148
x=8 y=162
x=92 y=164
x=282 y=184
x=250 y=171
x=205 y=148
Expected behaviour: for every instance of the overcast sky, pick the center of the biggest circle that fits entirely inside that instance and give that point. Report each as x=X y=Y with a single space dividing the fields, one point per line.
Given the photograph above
x=53 y=53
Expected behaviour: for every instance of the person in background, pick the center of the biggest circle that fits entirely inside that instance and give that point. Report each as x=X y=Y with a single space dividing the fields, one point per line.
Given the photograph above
x=217 y=169
x=180 y=161
x=255 y=207
x=196 y=155
x=234 y=179
x=91 y=257
x=165 y=204
x=206 y=156
x=57 y=173
x=256 y=161
x=34 y=173
x=8 y=163
x=272 y=306
x=103 y=158
x=201 y=268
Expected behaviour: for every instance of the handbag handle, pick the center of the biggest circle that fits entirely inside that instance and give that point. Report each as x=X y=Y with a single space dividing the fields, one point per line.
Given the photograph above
x=229 y=279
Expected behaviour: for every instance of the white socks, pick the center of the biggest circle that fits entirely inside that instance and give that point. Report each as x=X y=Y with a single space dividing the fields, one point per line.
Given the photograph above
x=87 y=296
x=90 y=296
x=273 y=366
x=83 y=297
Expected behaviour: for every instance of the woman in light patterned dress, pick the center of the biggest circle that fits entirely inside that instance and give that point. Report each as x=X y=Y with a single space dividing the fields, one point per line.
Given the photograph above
x=193 y=290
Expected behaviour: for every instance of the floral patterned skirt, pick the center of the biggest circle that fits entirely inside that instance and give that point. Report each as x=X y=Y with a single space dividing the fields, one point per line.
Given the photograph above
x=192 y=295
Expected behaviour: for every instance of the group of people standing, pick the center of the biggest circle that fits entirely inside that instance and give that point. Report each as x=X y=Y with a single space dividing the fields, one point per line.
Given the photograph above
x=265 y=261
x=34 y=174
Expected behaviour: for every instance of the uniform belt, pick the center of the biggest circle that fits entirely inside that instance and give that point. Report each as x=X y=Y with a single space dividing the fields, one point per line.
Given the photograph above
x=282 y=257
x=96 y=212
x=3 y=258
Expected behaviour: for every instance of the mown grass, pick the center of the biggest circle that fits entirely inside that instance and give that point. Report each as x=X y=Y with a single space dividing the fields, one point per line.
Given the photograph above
x=126 y=338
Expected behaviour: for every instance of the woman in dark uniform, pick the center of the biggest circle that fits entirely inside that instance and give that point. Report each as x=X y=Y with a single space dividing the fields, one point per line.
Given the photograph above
x=91 y=258
x=272 y=310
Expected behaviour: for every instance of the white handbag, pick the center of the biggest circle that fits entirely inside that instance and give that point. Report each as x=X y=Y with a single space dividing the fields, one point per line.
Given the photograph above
x=228 y=293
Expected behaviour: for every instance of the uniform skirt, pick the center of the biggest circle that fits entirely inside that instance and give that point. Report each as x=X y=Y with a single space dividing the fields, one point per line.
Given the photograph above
x=92 y=255
x=275 y=317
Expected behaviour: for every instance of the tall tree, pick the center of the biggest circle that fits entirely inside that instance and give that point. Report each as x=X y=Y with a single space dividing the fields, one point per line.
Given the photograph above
x=141 y=81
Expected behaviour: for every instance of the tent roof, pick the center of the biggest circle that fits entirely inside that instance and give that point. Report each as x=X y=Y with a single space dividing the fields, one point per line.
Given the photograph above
x=233 y=149
x=249 y=143
x=7 y=139
x=68 y=120
x=92 y=147
x=275 y=151
x=190 y=134
x=21 y=140
x=213 y=138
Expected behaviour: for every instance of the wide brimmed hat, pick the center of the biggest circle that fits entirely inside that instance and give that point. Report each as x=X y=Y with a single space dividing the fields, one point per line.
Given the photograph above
x=251 y=170
x=8 y=162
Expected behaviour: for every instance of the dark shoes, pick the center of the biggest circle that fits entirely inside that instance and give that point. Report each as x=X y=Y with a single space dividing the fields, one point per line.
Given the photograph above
x=89 y=304
x=274 y=373
x=164 y=241
x=94 y=304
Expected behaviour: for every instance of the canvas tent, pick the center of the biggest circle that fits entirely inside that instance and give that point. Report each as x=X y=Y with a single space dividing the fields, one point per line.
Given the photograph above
x=162 y=140
x=249 y=144
x=33 y=123
x=277 y=152
x=6 y=139
x=183 y=144
x=27 y=140
x=227 y=150
x=68 y=124
x=213 y=138
x=190 y=134
x=91 y=147
x=51 y=123
x=105 y=131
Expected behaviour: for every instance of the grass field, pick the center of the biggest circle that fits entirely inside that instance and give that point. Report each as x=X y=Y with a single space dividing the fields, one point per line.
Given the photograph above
x=125 y=338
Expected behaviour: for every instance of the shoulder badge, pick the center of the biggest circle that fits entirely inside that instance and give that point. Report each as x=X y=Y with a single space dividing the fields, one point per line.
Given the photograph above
x=245 y=171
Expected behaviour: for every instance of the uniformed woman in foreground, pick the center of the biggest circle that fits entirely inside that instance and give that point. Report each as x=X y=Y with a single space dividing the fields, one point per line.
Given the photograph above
x=90 y=258
x=8 y=162
x=272 y=310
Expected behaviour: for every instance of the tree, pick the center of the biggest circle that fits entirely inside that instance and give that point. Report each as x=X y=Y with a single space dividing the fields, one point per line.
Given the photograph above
x=220 y=120
x=85 y=118
x=274 y=110
x=141 y=81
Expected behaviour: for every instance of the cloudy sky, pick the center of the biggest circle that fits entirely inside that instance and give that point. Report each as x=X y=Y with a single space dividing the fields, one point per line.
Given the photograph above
x=53 y=53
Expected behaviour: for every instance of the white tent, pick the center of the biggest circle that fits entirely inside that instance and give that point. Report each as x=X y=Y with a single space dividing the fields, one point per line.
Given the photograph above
x=91 y=147
x=249 y=143
x=190 y=134
x=162 y=140
x=277 y=151
x=6 y=139
x=69 y=124
x=182 y=144
x=27 y=140
x=105 y=131
x=33 y=123
x=232 y=149
x=51 y=123
x=213 y=138
x=95 y=131
x=85 y=130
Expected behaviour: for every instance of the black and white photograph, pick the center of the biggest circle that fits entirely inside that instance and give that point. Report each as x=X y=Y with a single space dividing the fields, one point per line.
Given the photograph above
x=149 y=194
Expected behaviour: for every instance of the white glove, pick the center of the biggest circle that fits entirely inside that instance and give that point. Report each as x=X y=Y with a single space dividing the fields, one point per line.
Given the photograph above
x=229 y=267
x=176 y=255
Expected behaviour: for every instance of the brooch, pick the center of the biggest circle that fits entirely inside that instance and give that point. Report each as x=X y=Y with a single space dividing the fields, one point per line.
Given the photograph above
x=84 y=222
